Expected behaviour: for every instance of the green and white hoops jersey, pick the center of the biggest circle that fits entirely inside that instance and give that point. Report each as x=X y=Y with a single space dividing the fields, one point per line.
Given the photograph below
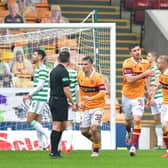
x=153 y=79
x=41 y=73
x=73 y=84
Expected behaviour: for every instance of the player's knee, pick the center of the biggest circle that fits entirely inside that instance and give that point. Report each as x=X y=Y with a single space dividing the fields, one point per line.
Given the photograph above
x=84 y=132
x=28 y=120
x=95 y=128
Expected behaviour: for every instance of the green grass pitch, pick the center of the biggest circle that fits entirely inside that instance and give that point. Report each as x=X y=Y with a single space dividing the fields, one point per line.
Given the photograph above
x=82 y=159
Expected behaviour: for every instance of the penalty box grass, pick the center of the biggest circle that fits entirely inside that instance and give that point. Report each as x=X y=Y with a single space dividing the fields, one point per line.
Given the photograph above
x=82 y=159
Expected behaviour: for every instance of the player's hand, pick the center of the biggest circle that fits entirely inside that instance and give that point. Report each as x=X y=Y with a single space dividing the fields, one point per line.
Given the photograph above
x=149 y=92
x=74 y=107
x=77 y=107
x=152 y=102
x=26 y=97
x=148 y=102
x=148 y=73
x=86 y=98
x=80 y=106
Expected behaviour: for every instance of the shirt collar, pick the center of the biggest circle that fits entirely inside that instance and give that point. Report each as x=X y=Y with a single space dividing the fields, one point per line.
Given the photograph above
x=133 y=60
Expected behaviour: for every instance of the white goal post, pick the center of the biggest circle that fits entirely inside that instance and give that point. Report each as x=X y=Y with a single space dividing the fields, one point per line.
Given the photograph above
x=97 y=40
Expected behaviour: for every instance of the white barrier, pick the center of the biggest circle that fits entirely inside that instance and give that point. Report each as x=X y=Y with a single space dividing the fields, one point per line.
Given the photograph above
x=27 y=140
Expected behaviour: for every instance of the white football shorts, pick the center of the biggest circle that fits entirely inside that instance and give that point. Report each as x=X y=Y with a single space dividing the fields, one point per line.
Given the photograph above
x=36 y=107
x=132 y=107
x=156 y=107
x=91 y=117
x=164 y=113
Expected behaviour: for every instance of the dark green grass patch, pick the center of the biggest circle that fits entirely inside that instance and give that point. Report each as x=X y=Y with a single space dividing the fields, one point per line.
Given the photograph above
x=82 y=159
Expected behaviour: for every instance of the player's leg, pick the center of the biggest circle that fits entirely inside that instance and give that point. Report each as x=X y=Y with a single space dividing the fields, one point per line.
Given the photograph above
x=95 y=127
x=59 y=111
x=55 y=138
x=164 y=120
x=34 y=117
x=126 y=104
x=87 y=133
x=68 y=132
x=128 y=127
x=155 y=109
x=96 y=140
x=31 y=120
x=138 y=110
x=85 y=125
x=135 y=134
x=69 y=135
x=165 y=137
x=41 y=133
x=158 y=131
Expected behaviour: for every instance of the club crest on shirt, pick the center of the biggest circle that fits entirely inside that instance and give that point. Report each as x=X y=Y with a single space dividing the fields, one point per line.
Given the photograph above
x=91 y=81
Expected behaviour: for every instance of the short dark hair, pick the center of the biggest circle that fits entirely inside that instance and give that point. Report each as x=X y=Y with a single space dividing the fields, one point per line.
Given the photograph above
x=64 y=56
x=131 y=46
x=88 y=58
x=41 y=52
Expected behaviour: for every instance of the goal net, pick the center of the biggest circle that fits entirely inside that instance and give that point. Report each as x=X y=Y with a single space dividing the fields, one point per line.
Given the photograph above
x=17 y=44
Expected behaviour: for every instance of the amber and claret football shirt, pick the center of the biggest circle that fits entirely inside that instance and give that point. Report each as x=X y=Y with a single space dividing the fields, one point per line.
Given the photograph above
x=90 y=86
x=163 y=79
x=132 y=68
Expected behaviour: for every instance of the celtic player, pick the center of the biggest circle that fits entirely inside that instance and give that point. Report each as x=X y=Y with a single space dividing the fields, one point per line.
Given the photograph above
x=156 y=102
x=39 y=97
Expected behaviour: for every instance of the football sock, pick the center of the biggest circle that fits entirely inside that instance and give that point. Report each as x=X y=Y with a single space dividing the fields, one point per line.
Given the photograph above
x=136 y=134
x=69 y=132
x=55 y=139
x=96 y=147
x=40 y=138
x=39 y=128
x=159 y=134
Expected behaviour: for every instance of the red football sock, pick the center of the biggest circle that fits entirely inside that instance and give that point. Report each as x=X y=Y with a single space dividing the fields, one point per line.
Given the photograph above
x=136 y=134
x=96 y=147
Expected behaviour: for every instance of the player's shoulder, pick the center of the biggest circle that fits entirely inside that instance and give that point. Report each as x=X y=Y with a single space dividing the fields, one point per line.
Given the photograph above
x=70 y=70
x=127 y=62
x=44 y=67
x=145 y=61
x=98 y=75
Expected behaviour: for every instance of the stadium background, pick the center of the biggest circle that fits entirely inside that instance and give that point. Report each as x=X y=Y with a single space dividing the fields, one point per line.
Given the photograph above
x=127 y=33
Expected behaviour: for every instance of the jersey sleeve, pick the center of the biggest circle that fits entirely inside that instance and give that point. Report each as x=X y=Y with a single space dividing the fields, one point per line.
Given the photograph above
x=101 y=83
x=127 y=69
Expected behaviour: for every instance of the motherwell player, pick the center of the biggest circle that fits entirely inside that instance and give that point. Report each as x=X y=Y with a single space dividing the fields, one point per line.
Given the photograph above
x=162 y=63
x=135 y=74
x=92 y=101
